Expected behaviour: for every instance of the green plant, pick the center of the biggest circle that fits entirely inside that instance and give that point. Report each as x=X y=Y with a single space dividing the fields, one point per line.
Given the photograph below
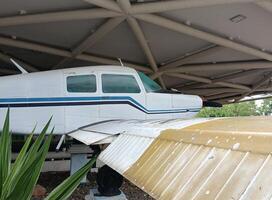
x=18 y=179
x=231 y=110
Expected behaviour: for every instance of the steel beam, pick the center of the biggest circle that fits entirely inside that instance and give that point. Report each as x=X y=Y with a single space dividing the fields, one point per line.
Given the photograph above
x=257 y=98
x=94 y=38
x=208 y=91
x=93 y=13
x=265 y=4
x=188 y=58
x=257 y=85
x=66 y=53
x=136 y=29
x=227 y=77
x=163 y=6
x=239 y=74
x=124 y=5
x=211 y=49
x=97 y=35
x=209 y=81
x=228 y=99
x=139 y=34
x=107 y=4
x=184 y=29
x=222 y=95
x=222 y=66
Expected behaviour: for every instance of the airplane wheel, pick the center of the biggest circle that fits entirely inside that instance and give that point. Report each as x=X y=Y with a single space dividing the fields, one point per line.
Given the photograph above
x=109 y=181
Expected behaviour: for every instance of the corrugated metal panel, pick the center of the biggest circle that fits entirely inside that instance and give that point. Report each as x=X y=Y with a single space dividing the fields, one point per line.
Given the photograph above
x=105 y=131
x=219 y=159
x=125 y=151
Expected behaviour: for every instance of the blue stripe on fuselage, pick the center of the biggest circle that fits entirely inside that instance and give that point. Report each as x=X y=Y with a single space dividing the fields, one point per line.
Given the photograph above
x=67 y=101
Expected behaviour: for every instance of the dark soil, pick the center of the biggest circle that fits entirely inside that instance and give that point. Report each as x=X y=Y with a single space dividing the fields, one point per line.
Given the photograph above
x=50 y=180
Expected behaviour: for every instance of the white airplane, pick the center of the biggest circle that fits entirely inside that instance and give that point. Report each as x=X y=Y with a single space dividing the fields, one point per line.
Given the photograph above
x=77 y=97
x=152 y=144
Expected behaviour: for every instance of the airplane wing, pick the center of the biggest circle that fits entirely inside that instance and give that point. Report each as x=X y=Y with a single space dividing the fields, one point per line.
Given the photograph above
x=226 y=158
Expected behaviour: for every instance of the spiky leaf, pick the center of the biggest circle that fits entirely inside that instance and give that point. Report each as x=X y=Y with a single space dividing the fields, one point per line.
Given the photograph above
x=65 y=189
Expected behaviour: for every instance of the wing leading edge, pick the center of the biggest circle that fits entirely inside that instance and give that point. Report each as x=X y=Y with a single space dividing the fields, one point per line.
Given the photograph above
x=226 y=158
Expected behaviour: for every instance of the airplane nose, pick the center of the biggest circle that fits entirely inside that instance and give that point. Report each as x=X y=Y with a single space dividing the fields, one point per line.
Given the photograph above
x=186 y=101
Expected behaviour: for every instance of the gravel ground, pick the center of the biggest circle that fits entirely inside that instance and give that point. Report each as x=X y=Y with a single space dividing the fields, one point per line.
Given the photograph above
x=51 y=180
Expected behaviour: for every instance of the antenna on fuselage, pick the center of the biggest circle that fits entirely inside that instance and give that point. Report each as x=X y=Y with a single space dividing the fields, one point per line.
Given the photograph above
x=121 y=63
x=18 y=66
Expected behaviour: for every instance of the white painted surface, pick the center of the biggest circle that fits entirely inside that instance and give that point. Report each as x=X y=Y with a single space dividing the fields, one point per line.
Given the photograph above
x=138 y=136
x=50 y=88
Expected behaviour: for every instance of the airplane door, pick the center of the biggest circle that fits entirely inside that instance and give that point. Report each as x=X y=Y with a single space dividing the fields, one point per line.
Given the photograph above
x=122 y=96
x=81 y=91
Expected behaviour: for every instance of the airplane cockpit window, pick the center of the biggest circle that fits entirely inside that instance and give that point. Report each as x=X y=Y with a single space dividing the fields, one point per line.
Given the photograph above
x=81 y=83
x=113 y=83
x=149 y=84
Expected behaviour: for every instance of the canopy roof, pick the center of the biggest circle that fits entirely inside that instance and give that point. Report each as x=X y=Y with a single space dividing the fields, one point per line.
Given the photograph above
x=218 y=49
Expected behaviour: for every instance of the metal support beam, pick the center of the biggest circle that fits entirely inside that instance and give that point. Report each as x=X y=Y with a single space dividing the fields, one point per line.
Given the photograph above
x=255 y=90
x=257 y=98
x=227 y=100
x=66 y=53
x=98 y=35
x=6 y=58
x=209 y=81
x=222 y=66
x=136 y=29
x=239 y=74
x=214 y=90
x=144 y=45
x=163 y=6
x=230 y=76
x=111 y=10
x=265 y=4
x=124 y=5
x=257 y=85
x=94 y=38
x=181 y=28
x=188 y=57
x=142 y=41
x=222 y=95
x=107 y=4
x=58 y=16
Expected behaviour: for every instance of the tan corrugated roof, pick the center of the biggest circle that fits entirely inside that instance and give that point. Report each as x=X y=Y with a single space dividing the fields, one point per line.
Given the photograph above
x=218 y=159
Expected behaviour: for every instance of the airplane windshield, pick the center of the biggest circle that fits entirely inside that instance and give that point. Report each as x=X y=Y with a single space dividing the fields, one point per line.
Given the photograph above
x=149 y=84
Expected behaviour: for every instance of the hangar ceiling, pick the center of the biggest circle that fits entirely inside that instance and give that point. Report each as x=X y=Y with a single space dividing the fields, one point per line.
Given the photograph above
x=218 y=49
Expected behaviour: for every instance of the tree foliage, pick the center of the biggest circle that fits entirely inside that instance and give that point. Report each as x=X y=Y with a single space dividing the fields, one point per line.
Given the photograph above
x=231 y=110
x=266 y=107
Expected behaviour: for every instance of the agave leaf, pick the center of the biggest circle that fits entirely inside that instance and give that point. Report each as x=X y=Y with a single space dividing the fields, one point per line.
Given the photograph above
x=66 y=188
x=31 y=156
x=38 y=142
x=5 y=152
x=16 y=168
x=36 y=173
x=29 y=174
x=19 y=190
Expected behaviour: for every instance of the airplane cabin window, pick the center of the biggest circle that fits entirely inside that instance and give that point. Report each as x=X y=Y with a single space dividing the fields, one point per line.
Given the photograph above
x=149 y=84
x=113 y=83
x=81 y=83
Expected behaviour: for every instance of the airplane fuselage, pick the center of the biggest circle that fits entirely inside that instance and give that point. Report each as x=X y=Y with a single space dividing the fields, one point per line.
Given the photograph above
x=77 y=97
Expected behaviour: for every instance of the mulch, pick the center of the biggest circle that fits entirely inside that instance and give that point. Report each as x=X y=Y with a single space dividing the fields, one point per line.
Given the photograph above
x=50 y=180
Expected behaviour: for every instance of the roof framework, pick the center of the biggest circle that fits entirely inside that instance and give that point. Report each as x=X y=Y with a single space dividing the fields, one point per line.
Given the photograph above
x=179 y=43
